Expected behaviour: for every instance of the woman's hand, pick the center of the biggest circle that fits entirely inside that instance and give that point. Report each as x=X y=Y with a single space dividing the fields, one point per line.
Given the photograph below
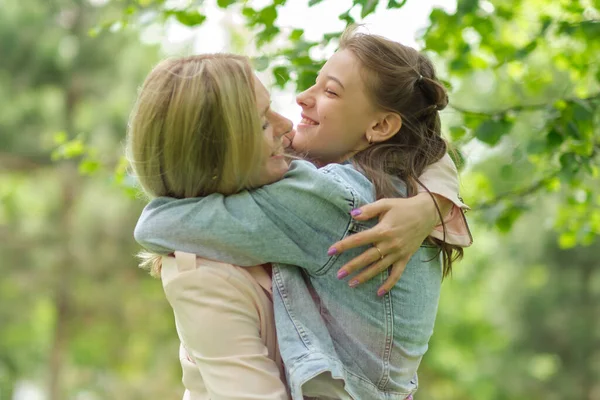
x=403 y=226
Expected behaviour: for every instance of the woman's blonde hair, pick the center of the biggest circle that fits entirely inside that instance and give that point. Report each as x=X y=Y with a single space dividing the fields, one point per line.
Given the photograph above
x=195 y=130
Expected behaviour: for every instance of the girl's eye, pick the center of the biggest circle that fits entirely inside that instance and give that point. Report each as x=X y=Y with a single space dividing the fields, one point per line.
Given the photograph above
x=266 y=125
x=330 y=92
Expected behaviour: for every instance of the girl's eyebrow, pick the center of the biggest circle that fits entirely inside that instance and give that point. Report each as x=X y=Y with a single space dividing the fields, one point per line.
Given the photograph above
x=333 y=78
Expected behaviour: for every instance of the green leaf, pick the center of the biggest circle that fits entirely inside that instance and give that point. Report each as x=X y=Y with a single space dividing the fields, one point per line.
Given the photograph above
x=491 y=131
x=313 y=2
x=73 y=149
x=537 y=146
x=296 y=35
x=266 y=35
x=368 y=6
x=457 y=132
x=569 y=162
x=508 y=217
x=329 y=36
x=267 y=16
x=395 y=4
x=60 y=138
x=346 y=17
x=554 y=139
x=89 y=167
x=225 y=3
x=466 y=6
x=457 y=156
x=306 y=78
x=505 y=12
x=525 y=51
x=446 y=84
x=249 y=13
x=261 y=63
x=567 y=240
x=281 y=75
x=189 y=18
x=69 y=150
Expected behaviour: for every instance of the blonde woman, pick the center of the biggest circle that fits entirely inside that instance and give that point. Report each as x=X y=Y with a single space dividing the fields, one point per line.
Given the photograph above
x=203 y=125
x=289 y=222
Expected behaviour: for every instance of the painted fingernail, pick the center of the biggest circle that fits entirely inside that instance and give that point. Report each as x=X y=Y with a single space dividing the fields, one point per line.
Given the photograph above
x=381 y=292
x=356 y=212
x=342 y=274
x=353 y=283
x=331 y=251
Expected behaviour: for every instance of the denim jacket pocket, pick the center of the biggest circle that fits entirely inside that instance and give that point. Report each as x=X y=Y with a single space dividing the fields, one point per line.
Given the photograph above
x=353 y=228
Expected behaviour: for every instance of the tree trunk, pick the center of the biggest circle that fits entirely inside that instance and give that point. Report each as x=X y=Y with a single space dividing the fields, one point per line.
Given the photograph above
x=62 y=288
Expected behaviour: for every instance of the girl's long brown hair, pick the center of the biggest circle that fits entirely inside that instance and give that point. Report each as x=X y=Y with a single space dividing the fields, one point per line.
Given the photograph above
x=401 y=80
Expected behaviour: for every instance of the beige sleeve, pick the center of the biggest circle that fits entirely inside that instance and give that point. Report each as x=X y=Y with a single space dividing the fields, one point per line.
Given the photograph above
x=218 y=321
x=441 y=178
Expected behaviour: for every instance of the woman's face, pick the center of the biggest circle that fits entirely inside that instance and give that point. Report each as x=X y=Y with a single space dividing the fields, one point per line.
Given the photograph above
x=274 y=165
x=336 y=112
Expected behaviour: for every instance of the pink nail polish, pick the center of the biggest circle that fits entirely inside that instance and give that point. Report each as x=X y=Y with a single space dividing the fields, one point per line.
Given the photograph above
x=342 y=274
x=356 y=212
x=381 y=292
x=331 y=251
x=353 y=283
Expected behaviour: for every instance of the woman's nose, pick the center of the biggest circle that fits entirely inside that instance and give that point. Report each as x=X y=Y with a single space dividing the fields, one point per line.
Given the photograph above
x=282 y=126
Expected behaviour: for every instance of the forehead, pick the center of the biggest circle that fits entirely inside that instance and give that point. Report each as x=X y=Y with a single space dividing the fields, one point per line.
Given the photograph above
x=262 y=94
x=344 y=66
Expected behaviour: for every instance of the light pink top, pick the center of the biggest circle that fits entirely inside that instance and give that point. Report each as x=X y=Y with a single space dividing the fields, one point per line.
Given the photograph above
x=224 y=319
x=442 y=178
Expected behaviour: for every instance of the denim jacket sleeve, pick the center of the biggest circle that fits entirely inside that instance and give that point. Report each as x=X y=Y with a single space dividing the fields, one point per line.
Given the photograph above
x=292 y=221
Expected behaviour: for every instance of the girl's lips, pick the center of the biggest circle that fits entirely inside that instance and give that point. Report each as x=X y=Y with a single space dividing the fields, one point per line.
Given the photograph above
x=308 y=121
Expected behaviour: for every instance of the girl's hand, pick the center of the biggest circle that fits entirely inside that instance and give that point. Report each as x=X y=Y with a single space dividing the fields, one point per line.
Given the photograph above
x=403 y=226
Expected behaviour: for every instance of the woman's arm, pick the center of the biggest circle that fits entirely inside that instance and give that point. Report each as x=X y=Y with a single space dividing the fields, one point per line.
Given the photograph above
x=219 y=326
x=291 y=221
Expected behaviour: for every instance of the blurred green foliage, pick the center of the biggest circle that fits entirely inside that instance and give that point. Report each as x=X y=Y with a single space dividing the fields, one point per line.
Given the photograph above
x=518 y=320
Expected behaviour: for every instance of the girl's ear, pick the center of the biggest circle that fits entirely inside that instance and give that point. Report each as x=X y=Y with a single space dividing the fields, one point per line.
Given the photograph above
x=386 y=126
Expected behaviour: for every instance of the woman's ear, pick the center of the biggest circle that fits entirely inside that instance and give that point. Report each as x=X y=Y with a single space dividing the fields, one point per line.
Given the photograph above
x=387 y=125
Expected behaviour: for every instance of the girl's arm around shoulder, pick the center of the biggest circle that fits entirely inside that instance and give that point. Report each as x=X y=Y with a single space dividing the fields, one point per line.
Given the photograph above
x=291 y=221
x=219 y=325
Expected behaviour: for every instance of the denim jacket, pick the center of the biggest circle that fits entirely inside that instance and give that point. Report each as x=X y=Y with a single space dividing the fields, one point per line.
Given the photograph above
x=374 y=344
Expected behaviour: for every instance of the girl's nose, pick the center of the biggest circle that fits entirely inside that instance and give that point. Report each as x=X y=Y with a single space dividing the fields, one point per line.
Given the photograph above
x=305 y=99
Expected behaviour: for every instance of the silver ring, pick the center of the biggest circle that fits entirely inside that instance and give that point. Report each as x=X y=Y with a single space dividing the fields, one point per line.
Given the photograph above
x=379 y=251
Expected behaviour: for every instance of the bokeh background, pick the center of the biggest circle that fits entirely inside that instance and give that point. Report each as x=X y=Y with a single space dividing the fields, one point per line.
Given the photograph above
x=518 y=320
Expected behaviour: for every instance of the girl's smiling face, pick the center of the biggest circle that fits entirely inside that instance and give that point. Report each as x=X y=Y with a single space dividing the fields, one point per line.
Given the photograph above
x=337 y=114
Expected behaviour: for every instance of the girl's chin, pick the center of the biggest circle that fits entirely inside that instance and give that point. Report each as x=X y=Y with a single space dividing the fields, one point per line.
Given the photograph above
x=301 y=143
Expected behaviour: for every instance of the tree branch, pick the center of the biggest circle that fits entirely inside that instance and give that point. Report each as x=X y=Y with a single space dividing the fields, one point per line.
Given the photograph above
x=16 y=163
x=518 y=108
x=528 y=190
x=523 y=192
